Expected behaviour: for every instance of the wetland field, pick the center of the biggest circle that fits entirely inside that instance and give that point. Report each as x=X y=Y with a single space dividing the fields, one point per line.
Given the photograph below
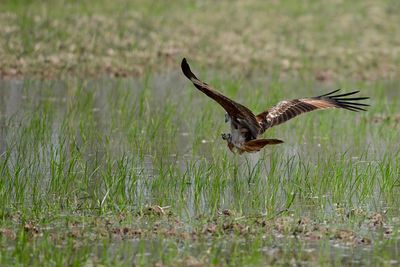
x=110 y=157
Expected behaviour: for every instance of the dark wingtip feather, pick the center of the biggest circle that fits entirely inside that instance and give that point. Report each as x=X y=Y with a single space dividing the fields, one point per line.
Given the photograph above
x=346 y=94
x=352 y=108
x=352 y=103
x=352 y=98
x=340 y=100
x=330 y=93
x=186 y=69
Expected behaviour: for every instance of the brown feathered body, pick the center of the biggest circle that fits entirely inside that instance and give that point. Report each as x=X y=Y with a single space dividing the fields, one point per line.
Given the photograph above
x=247 y=127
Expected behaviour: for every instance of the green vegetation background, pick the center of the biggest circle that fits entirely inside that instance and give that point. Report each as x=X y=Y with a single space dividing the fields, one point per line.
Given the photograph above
x=331 y=39
x=115 y=172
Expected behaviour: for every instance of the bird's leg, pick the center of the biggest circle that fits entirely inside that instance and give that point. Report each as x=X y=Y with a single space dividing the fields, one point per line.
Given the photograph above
x=227 y=137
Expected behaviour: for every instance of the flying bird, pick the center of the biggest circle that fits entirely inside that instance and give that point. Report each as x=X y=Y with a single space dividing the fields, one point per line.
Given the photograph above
x=247 y=127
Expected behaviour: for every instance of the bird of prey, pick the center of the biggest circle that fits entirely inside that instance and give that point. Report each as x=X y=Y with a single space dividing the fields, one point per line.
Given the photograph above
x=247 y=127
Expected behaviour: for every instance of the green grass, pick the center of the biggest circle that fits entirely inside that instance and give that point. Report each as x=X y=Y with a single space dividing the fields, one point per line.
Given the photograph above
x=118 y=172
x=133 y=171
x=327 y=40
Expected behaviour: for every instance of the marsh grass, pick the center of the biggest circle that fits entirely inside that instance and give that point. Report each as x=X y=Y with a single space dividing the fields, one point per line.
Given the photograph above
x=329 y=40
x=106 y=172
x=100 y=171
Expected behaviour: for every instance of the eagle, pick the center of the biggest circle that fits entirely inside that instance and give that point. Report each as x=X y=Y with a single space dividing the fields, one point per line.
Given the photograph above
x=247 y=127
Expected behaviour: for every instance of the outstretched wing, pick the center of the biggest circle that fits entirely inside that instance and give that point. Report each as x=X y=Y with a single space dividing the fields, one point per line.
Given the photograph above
x=288 y=109
x=235 y=110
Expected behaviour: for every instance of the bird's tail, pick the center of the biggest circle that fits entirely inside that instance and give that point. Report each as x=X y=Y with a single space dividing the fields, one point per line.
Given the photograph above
x=257 y=144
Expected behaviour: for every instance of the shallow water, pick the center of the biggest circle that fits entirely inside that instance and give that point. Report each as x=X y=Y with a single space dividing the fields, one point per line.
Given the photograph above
x=126 y=144
x=20 y=98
